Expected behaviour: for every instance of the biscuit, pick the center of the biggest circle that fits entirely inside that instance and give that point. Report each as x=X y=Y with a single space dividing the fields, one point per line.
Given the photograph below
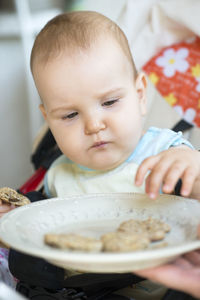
x=8 y=195
x=153 y=228
x=73 y=242
x=124 y=242
x=131 y=235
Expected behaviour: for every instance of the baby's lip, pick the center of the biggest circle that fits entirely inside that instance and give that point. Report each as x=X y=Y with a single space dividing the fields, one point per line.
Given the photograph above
x=98 y=144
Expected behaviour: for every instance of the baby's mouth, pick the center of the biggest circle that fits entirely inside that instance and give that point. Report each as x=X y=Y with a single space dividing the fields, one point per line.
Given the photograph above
x=99 y=144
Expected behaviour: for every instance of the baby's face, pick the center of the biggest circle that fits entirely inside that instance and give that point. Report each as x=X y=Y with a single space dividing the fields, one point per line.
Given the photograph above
x=93 y=105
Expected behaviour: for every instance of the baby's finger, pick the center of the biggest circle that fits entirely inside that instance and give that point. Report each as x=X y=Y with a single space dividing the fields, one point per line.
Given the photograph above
x=147 y=185
x=144 y=167
x=188 y=180
x=172 y=176
x=152 y=188
x=156 y=178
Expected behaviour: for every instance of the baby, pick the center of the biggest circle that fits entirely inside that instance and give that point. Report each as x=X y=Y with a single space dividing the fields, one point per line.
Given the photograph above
x=94 y=101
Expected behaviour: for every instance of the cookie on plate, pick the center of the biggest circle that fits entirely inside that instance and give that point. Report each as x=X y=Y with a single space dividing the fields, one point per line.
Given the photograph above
x=124 y=241
x=73 y=241
x=153 y=228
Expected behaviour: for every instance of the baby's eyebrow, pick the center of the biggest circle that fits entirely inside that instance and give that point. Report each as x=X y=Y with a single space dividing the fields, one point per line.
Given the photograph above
x=110 y=92
x=61 y=108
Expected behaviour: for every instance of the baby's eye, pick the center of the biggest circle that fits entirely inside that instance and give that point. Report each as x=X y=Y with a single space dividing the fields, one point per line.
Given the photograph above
x=110 y=102
x=70 y=116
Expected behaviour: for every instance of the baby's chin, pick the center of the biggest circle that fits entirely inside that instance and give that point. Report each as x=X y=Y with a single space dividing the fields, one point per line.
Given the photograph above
x=103 y=166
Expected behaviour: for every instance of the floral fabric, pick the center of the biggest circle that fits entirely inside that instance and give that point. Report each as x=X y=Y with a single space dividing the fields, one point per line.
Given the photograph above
x=175 y=72
x=5 y=275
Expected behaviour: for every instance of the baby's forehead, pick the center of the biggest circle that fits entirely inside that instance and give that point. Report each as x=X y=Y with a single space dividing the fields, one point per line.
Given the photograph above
x=75 y=50
x=104 y=62
x=88 y=72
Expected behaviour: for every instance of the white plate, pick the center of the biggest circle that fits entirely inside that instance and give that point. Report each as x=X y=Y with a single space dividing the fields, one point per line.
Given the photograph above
x=92 y=215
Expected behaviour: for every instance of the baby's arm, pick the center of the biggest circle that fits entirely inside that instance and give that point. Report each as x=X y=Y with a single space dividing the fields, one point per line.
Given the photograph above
x=167 y=167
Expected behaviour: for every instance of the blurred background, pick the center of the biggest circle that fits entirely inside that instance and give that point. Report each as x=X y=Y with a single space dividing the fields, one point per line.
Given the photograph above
x=150 y=25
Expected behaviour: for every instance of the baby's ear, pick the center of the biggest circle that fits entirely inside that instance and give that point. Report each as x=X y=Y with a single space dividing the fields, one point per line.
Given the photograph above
x=141 y=85
x=43 y=111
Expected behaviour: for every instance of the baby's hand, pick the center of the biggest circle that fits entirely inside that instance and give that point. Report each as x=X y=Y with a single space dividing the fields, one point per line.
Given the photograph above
x=5 y=208
x=166 y=168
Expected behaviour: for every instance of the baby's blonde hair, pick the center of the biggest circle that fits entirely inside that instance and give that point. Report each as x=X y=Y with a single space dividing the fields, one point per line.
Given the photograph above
x=73 y=31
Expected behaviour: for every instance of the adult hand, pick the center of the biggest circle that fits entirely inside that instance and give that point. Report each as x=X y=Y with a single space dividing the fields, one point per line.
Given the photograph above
x=183 y=274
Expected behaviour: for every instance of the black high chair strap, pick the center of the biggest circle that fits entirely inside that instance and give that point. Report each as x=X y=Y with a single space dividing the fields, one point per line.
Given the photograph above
x=182 y=125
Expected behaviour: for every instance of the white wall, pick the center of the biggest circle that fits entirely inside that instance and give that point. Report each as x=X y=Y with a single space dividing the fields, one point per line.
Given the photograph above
x=20 y=118
x=15 y=144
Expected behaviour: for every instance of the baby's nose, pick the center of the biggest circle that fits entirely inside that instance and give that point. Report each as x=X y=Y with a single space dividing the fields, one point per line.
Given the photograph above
x=94 y=125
